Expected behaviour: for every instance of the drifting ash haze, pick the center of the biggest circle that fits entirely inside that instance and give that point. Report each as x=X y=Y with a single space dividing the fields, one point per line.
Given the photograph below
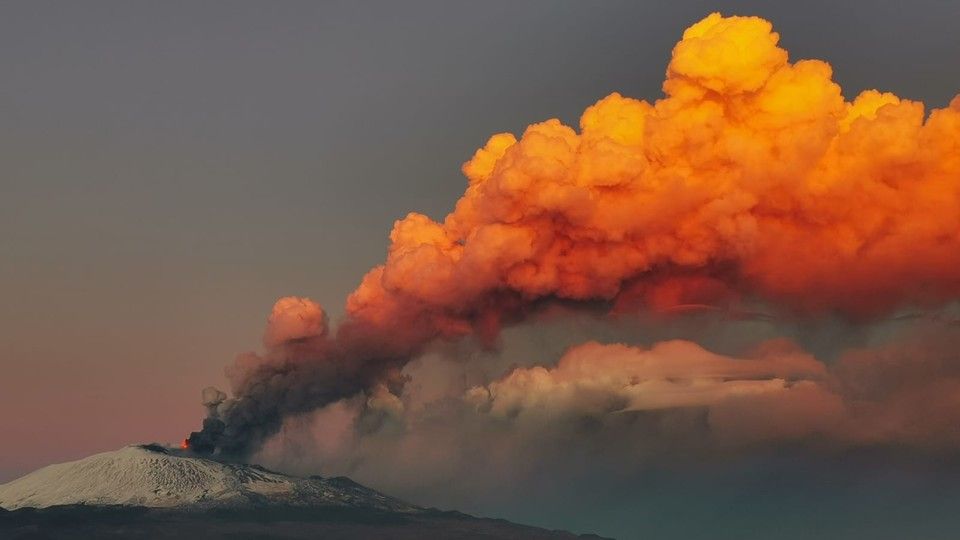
x=752 y=182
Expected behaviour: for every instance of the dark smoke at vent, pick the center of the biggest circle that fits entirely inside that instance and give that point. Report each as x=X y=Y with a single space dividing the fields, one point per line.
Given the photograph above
x=235 y=427
x=302 y=370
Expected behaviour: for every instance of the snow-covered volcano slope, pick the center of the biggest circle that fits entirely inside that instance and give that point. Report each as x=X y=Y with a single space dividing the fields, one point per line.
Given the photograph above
x=154 y=476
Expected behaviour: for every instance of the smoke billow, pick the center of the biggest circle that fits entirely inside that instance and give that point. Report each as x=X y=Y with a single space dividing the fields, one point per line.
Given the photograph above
x=753 y=181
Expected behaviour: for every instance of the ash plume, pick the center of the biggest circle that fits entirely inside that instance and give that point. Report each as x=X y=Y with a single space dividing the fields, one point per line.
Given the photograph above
x=752 y=180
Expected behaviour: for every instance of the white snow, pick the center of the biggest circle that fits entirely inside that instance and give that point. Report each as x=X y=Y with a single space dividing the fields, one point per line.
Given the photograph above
x=154 y=477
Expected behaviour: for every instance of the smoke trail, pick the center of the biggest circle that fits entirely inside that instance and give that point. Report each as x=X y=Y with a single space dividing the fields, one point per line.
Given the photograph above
x=751 y=179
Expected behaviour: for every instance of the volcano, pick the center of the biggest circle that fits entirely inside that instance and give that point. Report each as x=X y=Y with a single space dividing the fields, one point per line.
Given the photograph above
x=152 y=491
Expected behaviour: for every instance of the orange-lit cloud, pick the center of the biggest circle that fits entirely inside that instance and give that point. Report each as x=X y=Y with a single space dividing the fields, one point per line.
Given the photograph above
x=753 y=171
x=294 y=318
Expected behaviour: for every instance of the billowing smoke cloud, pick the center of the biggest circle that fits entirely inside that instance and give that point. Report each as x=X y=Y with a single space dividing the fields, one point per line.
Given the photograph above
x=295 y=319
x=752 y=180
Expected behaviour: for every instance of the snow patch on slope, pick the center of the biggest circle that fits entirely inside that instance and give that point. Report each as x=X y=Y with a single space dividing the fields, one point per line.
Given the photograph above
x=153 y=476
